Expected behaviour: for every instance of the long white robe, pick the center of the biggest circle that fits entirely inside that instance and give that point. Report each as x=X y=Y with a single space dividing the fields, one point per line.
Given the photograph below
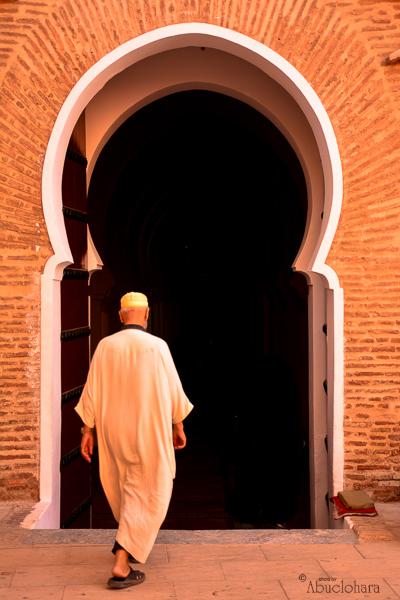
x=132 y=395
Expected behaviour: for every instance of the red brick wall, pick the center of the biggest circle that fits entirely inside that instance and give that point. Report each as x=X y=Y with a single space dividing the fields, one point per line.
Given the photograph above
x=47 y=45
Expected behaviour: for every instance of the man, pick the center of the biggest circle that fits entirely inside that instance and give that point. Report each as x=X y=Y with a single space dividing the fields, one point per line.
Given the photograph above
x=134 y=398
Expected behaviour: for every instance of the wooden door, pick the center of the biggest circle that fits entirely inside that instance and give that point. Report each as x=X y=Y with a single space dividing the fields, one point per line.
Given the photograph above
x=75 y=338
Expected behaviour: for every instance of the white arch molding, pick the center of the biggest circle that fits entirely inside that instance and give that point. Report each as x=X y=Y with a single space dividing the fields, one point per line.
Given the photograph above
x=315 y=135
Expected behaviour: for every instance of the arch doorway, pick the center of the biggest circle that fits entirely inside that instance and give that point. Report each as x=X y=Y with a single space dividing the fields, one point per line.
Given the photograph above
x=176 y=58
x=199 y=201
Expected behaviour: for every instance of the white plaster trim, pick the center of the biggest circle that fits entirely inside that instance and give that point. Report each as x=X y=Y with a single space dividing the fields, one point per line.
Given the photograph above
x=50 y=404
x=335 y=373
x=34 y=519
x=148 y=44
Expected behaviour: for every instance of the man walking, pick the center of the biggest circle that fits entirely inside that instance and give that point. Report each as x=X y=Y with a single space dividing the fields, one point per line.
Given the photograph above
x=134 y=398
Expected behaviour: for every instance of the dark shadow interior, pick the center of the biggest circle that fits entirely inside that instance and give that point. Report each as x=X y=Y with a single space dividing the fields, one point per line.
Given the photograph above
x=199 y=201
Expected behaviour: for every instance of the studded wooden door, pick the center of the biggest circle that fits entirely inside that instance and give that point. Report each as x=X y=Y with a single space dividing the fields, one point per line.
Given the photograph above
x=75 y=338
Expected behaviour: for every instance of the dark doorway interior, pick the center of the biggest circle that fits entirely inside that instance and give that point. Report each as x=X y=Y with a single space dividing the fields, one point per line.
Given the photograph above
x=200 y=202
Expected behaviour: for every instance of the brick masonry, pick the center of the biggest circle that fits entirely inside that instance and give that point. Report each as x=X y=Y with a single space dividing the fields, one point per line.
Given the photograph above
x=47 y=45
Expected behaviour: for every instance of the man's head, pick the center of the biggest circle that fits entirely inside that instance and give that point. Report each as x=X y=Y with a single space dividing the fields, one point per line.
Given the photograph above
x=134 y=309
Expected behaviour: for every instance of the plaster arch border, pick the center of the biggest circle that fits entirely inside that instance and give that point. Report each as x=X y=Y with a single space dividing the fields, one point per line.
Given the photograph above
x=326 y=295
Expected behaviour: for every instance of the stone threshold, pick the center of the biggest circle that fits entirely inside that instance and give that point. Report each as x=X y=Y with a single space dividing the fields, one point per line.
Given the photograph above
x=226 y=536
x=15 y=516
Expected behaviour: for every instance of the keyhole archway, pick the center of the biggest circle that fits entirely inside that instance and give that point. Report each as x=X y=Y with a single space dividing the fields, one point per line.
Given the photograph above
x=213 y=58
x=199 y=200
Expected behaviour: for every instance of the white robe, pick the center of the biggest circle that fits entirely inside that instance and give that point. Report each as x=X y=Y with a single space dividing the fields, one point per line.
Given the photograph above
x=132 y=395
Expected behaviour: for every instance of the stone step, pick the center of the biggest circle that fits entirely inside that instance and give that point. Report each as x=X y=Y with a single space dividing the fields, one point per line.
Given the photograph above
x=170 y=536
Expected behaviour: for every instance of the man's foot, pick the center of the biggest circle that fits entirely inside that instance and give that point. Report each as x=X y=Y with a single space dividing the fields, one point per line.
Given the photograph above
x=119 y=571
x=133 y=578
x=121 y=566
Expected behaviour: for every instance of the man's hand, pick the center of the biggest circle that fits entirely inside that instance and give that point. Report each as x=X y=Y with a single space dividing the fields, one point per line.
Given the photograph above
x=179 y=436
x=87 y=444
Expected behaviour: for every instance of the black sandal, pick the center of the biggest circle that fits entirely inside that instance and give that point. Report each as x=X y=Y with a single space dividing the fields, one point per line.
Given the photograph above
x=134 y=578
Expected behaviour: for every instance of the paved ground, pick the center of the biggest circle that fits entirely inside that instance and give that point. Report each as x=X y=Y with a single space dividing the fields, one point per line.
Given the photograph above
x=390 y=513
x=233 y=565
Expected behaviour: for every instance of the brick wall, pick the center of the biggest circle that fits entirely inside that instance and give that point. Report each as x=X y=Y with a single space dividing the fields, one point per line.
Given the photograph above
x=47 y=45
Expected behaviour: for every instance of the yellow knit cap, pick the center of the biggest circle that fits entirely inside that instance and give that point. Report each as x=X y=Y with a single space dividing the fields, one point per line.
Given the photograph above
x=134 y=300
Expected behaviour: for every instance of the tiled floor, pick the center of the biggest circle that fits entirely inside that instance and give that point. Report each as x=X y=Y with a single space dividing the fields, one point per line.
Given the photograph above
x=295 y=565
x=207 y=572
